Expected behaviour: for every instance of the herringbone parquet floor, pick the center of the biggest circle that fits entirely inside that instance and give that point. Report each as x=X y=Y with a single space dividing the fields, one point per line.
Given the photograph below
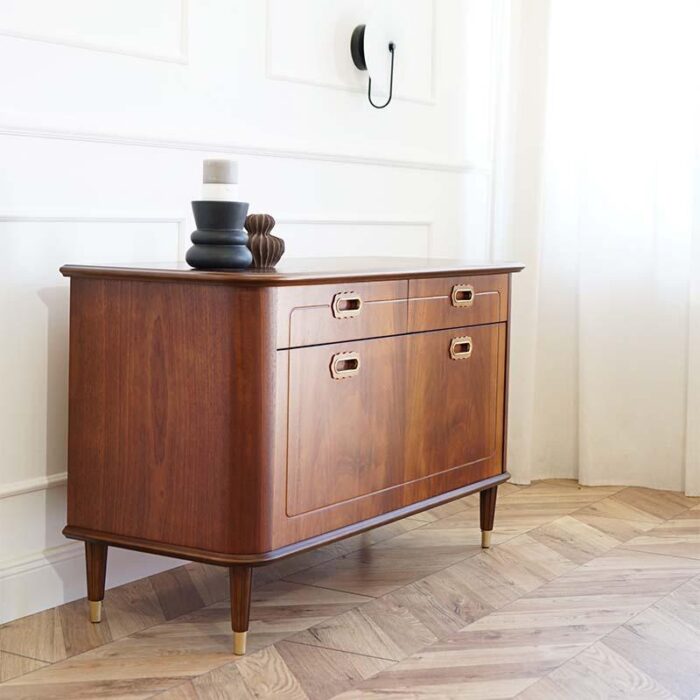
x=586 y=593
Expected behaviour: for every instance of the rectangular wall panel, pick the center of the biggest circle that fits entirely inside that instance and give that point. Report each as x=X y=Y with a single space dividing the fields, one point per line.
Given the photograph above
x=326 y=61
x=354 y=239
x=151 y=29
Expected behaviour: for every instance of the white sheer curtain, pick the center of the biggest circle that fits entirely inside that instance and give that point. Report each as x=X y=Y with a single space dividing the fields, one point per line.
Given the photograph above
x=598 y=192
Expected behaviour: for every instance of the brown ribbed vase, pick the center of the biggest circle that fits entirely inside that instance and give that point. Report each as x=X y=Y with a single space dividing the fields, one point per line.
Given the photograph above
x=266 y=248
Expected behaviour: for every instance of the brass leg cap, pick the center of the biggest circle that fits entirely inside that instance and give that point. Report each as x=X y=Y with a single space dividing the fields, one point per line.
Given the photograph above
x=95 y=610
x=486 y=539
x=239 y=640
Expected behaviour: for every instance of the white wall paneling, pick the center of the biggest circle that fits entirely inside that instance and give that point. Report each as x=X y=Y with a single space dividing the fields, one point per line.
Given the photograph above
x=38 y=483
x=326 y=61
x=352 y=238
x=108 y=25
x=222 y=96
x=239 y=148
x=105 y=118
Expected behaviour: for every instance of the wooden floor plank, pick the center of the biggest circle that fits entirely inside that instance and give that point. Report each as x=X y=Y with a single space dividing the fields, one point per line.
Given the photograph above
x=586 y=592
x=621 y=530
x=679 y=536
x=225 y=683
x=511 y=648
x=267 y=675
x=598 y=672
x=39 y=636
x=574 y=539
x=664 y=642
x=306 y=560
x=131 y=608
x=662 y=504
x=452 y=598
x=79 y=634
x=177 y=593
x=323 y=673
x=389 y=565
x=381 y=628
x=13 y=665
x=122 y=689
x=211 y=582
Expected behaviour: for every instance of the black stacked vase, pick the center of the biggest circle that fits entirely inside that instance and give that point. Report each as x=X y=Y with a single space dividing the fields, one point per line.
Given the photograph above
x=220 y=241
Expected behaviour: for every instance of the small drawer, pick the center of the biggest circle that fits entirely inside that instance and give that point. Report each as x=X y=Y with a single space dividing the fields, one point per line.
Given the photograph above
x=451 y=302
x=317 y=314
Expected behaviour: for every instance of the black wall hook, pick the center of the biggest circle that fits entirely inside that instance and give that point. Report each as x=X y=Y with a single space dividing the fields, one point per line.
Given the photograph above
x=357 y=51
x=392 y=47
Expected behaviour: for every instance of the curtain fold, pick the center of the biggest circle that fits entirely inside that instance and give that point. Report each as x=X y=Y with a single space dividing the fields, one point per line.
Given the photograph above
x=597 y=191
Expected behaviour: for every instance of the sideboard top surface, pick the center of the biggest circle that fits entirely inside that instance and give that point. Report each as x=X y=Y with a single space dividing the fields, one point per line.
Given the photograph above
x=299 y=270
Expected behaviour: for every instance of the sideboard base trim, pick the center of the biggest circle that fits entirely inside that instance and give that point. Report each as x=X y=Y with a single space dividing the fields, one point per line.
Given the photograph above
x=223 y=559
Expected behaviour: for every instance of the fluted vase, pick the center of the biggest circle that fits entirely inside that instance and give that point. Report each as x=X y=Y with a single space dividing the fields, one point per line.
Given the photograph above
x=265 y=248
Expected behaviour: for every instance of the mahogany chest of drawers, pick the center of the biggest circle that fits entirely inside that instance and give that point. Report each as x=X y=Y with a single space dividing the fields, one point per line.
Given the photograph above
x=235 y=418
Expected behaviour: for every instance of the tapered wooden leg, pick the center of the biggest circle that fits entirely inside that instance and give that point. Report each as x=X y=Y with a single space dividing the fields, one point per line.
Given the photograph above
x=241 y=580
x=96 y=564
x=487 y=502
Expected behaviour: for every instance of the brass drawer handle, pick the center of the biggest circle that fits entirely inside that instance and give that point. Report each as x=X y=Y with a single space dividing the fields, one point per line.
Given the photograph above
x=346 y=305
x=461 y=347
x=462 y=295
x=345 y=365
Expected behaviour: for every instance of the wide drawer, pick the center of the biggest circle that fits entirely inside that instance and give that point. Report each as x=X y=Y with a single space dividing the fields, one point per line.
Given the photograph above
x=451 y=302
x=317 y=314
x=369 y=416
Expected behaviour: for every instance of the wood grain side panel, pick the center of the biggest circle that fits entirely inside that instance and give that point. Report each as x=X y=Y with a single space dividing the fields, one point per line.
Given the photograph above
x=157 y=448
x=430 y=305
x=305 y=316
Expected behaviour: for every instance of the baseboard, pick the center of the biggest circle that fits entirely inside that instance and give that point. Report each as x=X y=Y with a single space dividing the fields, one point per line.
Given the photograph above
x=55 y=576
x=39 y=483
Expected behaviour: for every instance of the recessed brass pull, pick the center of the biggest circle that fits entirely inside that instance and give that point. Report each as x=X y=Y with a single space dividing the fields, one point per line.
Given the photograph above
x=462 y=295
x=345 y=365
x=461 y=347
x=346 y=305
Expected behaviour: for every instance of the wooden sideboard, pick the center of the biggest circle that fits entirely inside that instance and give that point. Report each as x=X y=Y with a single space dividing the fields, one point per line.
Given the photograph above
x=236 y=418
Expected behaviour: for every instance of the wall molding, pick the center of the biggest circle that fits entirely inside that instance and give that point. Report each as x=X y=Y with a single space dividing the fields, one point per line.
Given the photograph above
x=38 y=483
x=104 y=218
x=177 y=218
x=37 y=560
x=56 y=575
x=183 y=233
x=181 y=57
x=237 y=149
x=281 y=77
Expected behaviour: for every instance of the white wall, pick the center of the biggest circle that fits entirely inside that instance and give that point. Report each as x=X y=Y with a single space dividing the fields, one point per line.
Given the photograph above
x=106 y=111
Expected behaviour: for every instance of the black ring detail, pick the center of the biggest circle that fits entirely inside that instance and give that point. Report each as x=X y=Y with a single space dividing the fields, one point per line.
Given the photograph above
x=357 y=47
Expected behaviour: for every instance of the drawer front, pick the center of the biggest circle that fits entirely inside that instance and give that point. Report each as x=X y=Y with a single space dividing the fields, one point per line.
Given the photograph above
x=451 y=302
x=345 y=421
x=312 y=315
x=456 y=380
x=403 y=418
